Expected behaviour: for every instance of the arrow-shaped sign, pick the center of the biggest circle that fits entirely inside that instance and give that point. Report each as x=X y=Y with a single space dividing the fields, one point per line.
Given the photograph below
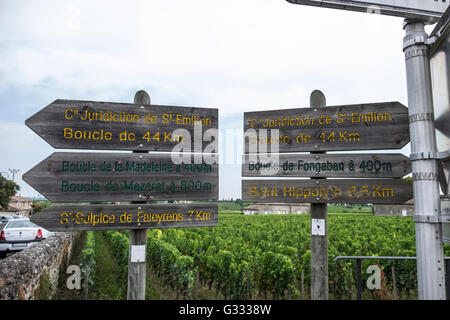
x=138 y=216
x=340 y=128
x=73 y=124
x=333 y=165
x=430 y=10
x=389 y=191
x=83 y=177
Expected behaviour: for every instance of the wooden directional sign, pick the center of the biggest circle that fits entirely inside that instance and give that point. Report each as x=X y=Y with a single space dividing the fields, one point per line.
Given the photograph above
x=75 y=177
x=71 y=124
x=352 y=127
x=429 y=10
x=137 y=216
x=388 y=191
x=383 y=165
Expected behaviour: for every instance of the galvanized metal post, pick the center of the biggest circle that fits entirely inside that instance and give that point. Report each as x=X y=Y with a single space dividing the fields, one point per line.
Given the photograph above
x=319 y=243
x=430 y=258
x=137 y=270
x=447 y=277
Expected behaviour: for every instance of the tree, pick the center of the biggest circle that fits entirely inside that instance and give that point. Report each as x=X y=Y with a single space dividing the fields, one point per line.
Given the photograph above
x=38 y=206
x=8 y=189
x=408 y=179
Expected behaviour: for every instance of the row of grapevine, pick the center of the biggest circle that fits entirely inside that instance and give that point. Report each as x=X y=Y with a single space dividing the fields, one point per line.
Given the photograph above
x=87 y=258
x=119 y=245
x=246 y=256
x=174 y=268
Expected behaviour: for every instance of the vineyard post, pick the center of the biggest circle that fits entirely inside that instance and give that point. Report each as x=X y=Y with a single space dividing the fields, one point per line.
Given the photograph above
x=394 y=283
x=247 y=277
x=430 y=255
x=358 y=280
x=319 y=243
x=302 y=284
x=86 y=284
x=138 y=237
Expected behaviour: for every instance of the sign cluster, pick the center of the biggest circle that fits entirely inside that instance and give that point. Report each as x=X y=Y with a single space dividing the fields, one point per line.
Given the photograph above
x=85 y=177
x=271 y=134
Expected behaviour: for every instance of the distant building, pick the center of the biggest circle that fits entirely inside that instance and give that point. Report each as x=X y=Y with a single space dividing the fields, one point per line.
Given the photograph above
x=402 y=210
x=20 y=206
x=277 y=208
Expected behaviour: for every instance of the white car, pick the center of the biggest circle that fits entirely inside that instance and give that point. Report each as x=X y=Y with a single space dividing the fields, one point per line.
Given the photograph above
x=19 y=234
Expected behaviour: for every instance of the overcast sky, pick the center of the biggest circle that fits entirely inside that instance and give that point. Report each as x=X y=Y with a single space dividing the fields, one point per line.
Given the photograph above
x=235 y=55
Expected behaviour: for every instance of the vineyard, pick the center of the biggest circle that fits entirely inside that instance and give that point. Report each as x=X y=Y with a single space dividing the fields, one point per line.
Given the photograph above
x=267 y=257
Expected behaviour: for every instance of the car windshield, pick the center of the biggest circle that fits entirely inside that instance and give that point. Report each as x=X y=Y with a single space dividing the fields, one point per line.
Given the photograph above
x=20 y=224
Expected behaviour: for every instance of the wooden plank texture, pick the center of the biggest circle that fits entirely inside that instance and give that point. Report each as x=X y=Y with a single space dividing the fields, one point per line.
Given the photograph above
x=84 y=177
x=126 y=217
x=339 y=128
x=382 y=165
x=74 y=124
x=389 y=191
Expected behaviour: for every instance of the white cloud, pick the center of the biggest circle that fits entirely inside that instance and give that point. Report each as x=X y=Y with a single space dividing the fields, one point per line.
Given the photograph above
x=236 y=55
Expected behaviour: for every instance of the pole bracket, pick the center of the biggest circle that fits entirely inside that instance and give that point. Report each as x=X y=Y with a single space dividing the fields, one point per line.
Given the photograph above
x=445 y=155
x=428 y=41
x=431 y=219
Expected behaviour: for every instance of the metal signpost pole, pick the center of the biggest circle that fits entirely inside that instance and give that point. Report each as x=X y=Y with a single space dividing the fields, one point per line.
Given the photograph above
x=425 y=154
x=138 y=239
x=430 y=259
x=319 y=238
x=440 y=75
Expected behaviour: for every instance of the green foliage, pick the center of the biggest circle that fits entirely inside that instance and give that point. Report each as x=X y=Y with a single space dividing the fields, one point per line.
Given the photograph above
x=408 y=179
x=87 y=258
x=230 y=205
x=8 y=189
x=40 y=205
x=350 y=209
x=275 y=273
x=269 y=253
x=44 y=290
x=248 y=257
x=108 y=282
x=176 y=269
x=119 y=245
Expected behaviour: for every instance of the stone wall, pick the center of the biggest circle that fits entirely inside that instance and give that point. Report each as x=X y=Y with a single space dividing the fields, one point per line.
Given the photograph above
x=34 y=272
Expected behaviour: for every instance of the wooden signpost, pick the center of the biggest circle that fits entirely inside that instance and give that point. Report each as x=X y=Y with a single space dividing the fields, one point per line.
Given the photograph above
x=137 y=177
x=71 y=177
x=319 y=225
x=269 y=135
x=342 y=165
x=73 y=124
x=352 y=127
